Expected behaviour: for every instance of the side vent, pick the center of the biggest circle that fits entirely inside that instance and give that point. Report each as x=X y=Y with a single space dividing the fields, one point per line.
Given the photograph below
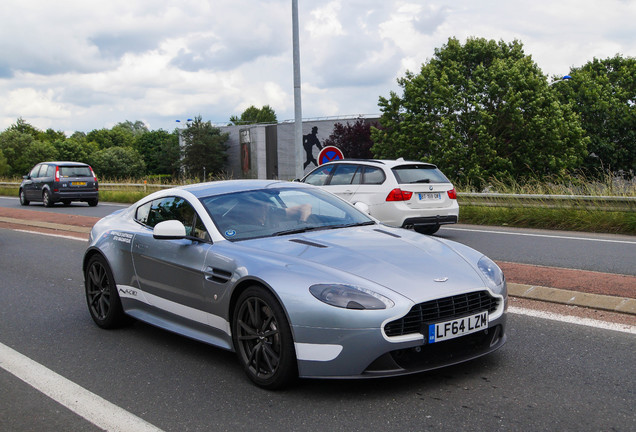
x=217 y=275
x=308 y=243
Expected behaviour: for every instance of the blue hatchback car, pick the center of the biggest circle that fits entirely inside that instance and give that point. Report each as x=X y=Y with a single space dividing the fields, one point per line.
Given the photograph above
x=51 y=182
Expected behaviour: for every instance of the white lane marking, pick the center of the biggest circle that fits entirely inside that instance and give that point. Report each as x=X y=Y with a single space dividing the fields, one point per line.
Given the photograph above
x=542 y=235
x=93 y=408
x=624 y=328
x=52 y=235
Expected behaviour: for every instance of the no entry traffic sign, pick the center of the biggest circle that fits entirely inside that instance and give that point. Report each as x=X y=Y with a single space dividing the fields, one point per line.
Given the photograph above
x=328 y=154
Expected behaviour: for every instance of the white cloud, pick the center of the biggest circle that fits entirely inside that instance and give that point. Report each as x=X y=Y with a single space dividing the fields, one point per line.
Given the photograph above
x=83 y=65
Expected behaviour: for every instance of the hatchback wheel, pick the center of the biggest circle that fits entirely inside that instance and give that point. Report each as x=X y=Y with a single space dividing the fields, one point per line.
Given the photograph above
x=263 y=339
x=23 y=200
x=46 y=199
x=102 y=298
x=92 y=202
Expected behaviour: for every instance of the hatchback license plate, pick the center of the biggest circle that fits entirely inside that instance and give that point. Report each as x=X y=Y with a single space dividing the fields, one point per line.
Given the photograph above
x=458 y=327
x=78 y=183
x=430 y=196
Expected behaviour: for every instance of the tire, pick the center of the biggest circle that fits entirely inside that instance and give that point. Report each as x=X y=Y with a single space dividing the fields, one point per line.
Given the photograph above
x=23 y=200
x=46 y=199
x=263 y=340
x=92 y=202
x=102 y=298
x=426 y=229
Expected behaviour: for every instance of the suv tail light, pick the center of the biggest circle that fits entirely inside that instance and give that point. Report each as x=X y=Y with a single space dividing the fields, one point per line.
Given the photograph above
x=452 y=194
x=57 y=173
x=399 y=195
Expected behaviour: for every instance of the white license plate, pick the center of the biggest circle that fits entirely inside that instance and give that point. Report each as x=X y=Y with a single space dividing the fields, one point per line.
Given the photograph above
x=430 y=196
x=458 y=327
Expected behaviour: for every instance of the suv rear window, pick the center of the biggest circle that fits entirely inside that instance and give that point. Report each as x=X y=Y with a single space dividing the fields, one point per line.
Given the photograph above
x=75 y=171
x=406 y=174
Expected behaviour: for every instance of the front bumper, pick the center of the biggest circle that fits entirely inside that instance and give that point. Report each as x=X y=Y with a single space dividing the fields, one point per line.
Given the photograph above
x=366 y=353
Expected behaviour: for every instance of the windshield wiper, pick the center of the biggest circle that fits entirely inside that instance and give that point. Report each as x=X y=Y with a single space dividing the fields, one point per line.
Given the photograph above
x=299 y=230
x=323 y=227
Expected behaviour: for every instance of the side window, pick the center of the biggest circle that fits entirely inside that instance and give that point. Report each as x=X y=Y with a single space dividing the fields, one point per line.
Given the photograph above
x=34 y=171
x=373 y=175
x=344 y=175
x=319 y=176
x=50 y=172
x=172 y=208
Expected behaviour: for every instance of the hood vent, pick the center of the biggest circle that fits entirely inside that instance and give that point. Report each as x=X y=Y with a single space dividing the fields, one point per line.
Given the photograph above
x=387 y=233
x=308 y=243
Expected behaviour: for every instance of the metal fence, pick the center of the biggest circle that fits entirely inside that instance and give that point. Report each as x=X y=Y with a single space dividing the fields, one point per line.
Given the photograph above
x=491 y=199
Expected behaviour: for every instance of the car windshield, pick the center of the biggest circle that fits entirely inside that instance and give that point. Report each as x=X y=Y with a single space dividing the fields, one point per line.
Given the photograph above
x=407 y=174
x=282 y=211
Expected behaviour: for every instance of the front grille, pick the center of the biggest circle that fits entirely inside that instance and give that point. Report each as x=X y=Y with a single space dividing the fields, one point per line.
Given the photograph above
x=441 y=310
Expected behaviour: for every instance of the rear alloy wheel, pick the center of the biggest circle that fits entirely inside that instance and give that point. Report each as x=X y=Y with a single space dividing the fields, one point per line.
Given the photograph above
x=23 y=200
x=92 y=202
x=46 y=199
x=263 y=339
x=102 y=298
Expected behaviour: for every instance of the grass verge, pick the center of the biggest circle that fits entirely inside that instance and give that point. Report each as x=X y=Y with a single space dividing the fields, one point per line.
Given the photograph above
x=568 y=219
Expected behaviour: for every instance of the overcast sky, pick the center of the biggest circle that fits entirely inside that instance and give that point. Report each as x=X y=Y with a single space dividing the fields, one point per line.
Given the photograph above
x=82 y=65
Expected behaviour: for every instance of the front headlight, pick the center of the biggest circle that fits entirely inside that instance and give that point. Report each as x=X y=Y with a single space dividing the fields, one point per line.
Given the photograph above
x=492 y=272
x=350 y=297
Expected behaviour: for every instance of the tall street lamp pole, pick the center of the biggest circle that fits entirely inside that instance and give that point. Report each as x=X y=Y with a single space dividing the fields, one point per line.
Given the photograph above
x=298 y=112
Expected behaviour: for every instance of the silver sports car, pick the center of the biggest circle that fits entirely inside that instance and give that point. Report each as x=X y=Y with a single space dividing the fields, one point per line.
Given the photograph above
x=295 y=280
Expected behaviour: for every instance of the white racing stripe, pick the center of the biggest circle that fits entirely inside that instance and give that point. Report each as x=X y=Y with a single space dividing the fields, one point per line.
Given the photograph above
x=625 y=328
x=93 y=408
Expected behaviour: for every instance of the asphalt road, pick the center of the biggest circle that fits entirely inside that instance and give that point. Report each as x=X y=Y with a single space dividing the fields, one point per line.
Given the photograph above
x=550 y=376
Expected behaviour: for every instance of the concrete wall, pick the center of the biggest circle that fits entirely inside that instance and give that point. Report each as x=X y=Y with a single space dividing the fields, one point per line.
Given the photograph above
x=284 y=147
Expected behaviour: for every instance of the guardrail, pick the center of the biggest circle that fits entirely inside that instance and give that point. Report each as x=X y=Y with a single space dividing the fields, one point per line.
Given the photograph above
x=492 y=199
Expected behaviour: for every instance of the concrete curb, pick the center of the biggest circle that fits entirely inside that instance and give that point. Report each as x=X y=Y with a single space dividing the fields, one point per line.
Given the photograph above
x=553 y=295
x=48 y=225
x=573 y=298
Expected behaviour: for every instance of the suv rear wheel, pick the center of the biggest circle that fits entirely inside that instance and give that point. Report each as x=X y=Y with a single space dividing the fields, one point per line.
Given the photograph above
x=46 y=199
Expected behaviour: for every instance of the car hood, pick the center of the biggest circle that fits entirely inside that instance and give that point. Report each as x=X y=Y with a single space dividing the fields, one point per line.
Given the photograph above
x=416 y=266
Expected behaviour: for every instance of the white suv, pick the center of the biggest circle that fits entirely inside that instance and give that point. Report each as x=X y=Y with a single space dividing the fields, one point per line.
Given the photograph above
x=397 y=192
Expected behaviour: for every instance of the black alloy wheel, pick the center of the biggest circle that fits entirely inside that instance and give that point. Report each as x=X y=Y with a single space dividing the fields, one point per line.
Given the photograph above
x=263 y=339
x=103 y=301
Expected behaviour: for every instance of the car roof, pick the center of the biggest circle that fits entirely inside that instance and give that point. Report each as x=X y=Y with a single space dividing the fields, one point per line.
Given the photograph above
x=229 y=186
x=65 y=163
x=377 y=162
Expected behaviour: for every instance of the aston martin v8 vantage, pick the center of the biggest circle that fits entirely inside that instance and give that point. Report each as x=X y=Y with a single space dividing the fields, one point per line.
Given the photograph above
x=296 y=281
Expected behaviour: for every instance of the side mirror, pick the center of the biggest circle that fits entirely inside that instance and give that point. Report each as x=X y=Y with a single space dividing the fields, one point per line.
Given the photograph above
x=169 y=230
x=362 y=207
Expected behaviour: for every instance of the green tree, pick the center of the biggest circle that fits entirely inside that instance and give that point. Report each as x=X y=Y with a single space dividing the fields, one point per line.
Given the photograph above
x=116 y=137
x=135 y=129
x=255 y=115
x=353 y=139
x=4 y=166
x=480 y=110
x=205 y=148
x=603 y=93
x=118 y=163
x=76 y=148
x=160 y=151
x=22 y=150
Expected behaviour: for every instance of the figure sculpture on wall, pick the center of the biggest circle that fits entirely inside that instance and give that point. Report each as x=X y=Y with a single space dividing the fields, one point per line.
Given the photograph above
x=309 y=141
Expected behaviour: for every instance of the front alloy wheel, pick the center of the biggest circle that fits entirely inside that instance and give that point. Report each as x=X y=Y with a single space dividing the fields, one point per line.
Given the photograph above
x=103 y=301
x=263 y=339
x=23 y=200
